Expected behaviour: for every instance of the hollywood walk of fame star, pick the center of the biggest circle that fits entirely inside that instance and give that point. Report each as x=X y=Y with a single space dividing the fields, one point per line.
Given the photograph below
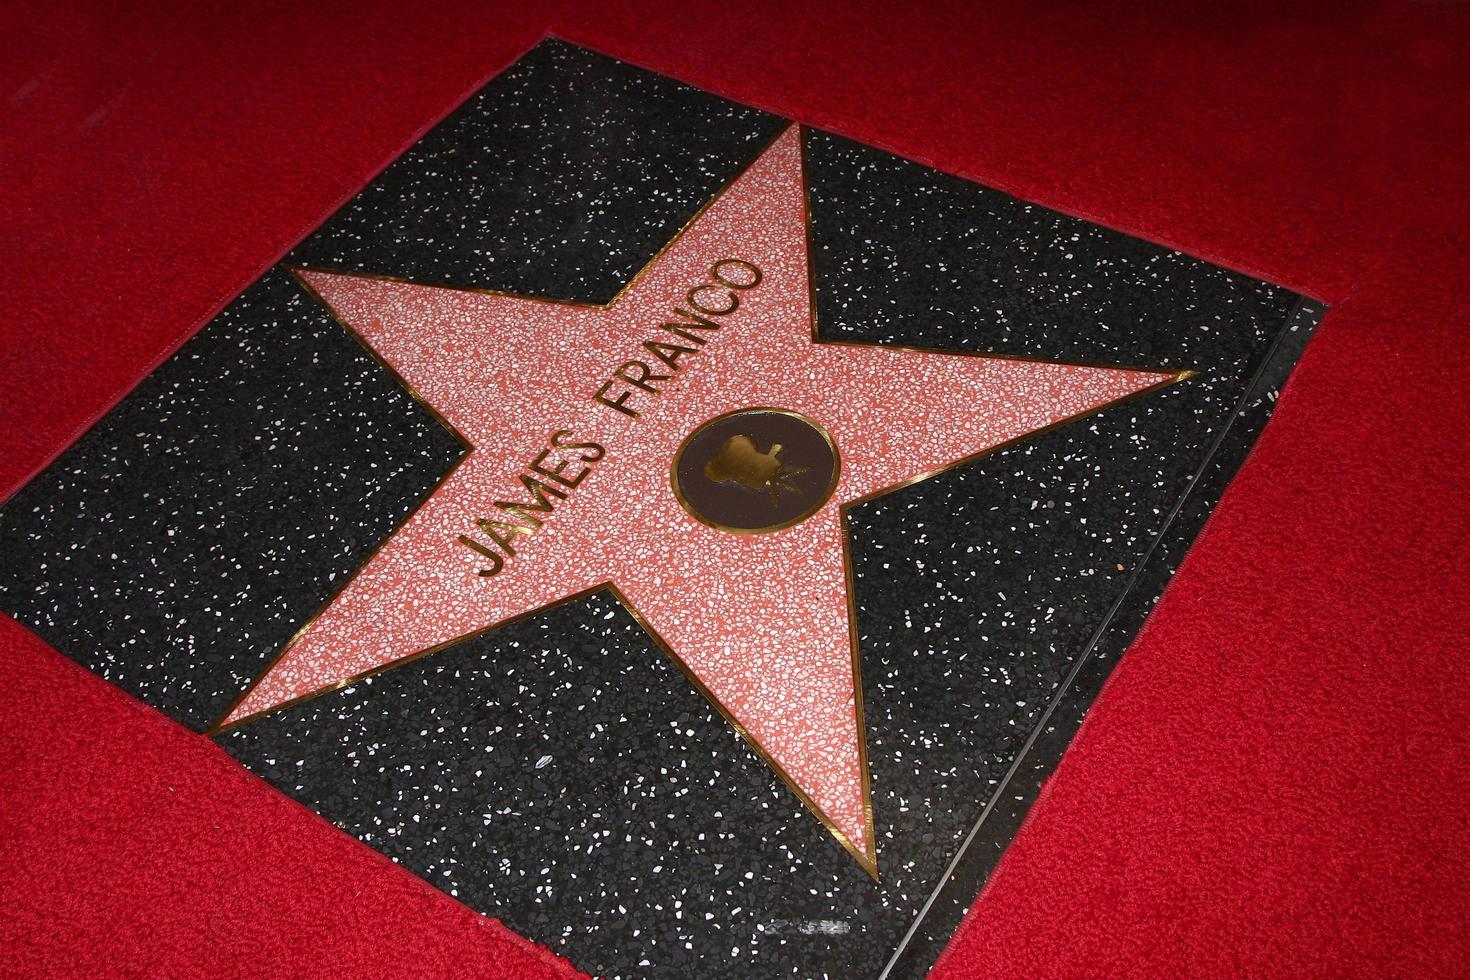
x=762 y=623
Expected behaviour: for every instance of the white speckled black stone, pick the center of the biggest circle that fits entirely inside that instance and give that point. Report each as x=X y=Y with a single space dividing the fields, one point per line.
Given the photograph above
x=1018 y=785
x=561 y=178
x=188 y=535
x=561 y=773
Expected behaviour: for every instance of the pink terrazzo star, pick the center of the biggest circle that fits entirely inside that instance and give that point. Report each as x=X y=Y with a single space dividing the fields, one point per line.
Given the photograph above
x=761 y=623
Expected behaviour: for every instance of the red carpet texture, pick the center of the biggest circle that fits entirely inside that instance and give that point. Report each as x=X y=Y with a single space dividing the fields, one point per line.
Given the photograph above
x=1277 y=778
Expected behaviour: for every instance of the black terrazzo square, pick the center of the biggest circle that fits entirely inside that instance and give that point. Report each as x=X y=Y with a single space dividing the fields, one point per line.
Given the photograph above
x=561 y=773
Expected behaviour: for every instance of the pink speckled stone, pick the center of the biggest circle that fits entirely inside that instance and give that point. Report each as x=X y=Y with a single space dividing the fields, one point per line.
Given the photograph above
x=761 y=620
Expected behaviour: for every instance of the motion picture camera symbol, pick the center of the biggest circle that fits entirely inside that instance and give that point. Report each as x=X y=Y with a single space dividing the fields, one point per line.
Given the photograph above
x=723 y=479
x=739 y=463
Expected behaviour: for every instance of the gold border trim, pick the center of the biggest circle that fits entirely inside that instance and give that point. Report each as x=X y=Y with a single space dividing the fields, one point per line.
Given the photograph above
x=867 y=857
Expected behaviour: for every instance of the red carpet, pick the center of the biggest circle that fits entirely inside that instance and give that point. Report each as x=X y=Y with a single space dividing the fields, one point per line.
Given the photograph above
x=1276 y=779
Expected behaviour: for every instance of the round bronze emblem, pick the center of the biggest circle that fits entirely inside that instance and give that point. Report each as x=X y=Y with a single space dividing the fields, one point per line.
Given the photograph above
x=755 y=470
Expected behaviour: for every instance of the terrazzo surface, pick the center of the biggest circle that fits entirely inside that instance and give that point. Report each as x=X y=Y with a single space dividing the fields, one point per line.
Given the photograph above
x=561 y=772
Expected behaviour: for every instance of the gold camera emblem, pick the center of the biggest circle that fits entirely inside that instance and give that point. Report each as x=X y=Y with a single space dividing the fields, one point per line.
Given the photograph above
x=739 y=463
x=723 y=479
